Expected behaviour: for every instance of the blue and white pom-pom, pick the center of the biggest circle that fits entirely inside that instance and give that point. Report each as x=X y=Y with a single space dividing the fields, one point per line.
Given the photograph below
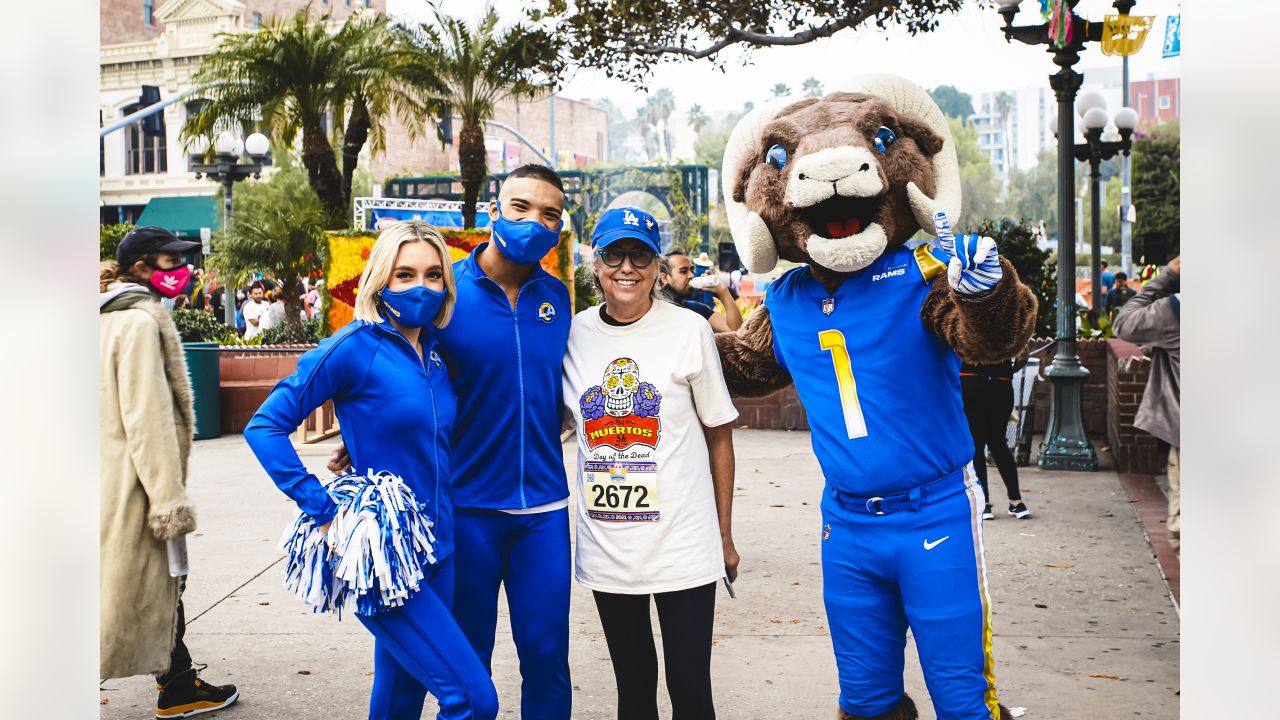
x=373 y=556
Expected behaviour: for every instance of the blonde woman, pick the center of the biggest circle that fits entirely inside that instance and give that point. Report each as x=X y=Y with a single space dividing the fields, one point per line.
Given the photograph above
x=393 y=399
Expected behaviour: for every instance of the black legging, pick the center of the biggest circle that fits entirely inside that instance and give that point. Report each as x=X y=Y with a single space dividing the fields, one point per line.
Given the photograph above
x=987 y=405
x=686 y=618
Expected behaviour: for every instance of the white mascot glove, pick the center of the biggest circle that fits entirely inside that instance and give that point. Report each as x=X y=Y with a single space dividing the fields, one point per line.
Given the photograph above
x=974 y=267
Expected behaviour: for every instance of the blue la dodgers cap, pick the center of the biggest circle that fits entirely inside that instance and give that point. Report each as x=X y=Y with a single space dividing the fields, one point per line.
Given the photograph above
x=626 y=222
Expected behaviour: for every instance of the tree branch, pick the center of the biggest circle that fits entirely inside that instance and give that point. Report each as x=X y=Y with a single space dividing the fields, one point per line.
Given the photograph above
x=737 y=35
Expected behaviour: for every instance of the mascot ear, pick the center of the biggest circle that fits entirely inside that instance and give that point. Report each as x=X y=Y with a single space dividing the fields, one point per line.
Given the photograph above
x=926 y=139
x=908 y=99
x=750 y=234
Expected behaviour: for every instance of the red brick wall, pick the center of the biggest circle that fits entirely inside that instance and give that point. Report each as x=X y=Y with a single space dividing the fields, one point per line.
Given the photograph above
x=1093 y=355
x=1127 y=370
x=780 y=410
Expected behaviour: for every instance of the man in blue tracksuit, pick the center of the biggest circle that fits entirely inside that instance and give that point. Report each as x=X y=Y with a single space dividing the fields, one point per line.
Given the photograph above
x=504 y=352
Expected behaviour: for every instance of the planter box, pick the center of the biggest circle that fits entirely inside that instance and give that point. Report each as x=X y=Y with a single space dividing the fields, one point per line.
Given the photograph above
x=248 y=374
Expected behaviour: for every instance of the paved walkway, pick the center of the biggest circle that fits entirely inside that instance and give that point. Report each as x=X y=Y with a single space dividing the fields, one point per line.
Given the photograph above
x=1084 y=625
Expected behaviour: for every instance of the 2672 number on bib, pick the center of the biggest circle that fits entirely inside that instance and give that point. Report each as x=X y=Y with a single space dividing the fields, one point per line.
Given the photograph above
x=620 y=491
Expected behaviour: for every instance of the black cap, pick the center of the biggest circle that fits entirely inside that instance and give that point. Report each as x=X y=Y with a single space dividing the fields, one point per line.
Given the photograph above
x=146 y=240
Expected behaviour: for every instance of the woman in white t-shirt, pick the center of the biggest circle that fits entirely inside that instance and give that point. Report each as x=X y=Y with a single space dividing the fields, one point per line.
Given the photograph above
x=655 y=471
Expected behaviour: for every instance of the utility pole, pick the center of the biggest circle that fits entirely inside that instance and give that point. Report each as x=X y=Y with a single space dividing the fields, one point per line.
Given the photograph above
x=1126 y=228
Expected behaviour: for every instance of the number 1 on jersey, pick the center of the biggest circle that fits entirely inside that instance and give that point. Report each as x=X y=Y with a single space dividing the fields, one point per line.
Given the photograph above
x=833 y=340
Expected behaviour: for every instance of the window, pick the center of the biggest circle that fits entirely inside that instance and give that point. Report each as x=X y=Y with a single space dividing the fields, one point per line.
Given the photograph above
x=144 y=154
x=149 y=12
x=368 y=3
x=257 y=20
x=1164 y=102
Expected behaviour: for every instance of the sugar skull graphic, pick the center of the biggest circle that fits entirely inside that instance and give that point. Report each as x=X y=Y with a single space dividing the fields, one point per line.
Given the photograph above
x=620 y=393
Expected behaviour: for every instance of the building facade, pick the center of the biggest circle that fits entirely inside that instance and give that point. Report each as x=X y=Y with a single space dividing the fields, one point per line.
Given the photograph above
x=162 y=42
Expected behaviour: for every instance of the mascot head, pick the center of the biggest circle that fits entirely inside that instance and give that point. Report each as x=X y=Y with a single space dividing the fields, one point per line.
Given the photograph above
x=837 y=181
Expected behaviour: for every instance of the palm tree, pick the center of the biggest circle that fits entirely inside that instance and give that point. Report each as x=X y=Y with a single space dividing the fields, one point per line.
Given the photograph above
x=645 y=120
x=278 y=230
x=781 y=90
x=664 y=104
x=812 y=88
x=287 y=76
x=697 y=119
x=480 y=66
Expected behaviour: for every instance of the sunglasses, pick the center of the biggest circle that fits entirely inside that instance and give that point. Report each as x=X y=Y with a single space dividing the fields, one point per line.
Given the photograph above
x=640 y=259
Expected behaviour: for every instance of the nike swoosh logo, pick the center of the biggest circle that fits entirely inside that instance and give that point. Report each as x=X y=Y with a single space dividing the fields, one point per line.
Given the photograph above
x=931 y=545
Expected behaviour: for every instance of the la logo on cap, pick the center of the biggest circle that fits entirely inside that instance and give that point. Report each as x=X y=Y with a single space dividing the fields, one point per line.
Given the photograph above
x=629 y=218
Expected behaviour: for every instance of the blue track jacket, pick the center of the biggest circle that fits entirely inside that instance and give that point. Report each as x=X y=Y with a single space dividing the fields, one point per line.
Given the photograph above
x=505 y=365
x=396 y=414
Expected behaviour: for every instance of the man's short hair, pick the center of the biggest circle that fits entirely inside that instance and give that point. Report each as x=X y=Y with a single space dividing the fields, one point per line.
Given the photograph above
x=1104 y=263
x=1121 y=276
x=538 y=172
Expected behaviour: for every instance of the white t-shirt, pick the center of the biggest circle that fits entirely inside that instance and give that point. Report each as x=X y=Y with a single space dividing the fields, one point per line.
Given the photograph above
x=254 y=311
x=646 y=504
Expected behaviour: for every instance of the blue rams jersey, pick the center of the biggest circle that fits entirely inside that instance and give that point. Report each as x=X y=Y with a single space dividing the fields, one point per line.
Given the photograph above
x=881 y=391
x=505 y=366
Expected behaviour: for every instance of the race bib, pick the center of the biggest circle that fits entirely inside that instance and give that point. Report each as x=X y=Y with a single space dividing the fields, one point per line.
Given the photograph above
x=619 y=491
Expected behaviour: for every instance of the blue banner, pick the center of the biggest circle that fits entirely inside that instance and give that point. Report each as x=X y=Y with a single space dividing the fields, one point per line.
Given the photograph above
x=1172 y=37
x=438 y=218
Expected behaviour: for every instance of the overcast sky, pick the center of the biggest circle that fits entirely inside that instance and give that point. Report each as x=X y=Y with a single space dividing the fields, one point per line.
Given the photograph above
x=967 y=51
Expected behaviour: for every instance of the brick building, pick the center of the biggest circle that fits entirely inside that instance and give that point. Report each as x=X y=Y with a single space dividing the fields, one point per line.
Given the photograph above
x=161 y=43
x=1156 y=101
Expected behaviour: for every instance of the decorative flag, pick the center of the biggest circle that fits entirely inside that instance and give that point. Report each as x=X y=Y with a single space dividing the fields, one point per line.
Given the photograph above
x=1172 y=37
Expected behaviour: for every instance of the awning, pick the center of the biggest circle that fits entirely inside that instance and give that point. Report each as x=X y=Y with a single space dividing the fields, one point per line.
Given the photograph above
x=182 y=216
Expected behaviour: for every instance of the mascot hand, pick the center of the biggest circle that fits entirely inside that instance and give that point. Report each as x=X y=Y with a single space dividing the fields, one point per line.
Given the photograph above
x=975 y=265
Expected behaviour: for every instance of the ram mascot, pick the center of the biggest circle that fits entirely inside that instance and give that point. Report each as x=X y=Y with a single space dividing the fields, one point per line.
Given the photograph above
x=871 y=330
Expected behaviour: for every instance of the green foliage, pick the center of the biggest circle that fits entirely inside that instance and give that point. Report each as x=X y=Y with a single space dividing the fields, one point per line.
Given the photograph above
x=812 y=88
x=307 y=333
x=627 y=38
x=199 y=326
x=952 y=102
x=1017 y=244
x=585 y=293
x=1156 y=183
x=978 y=186
x=780 y=90
x=109 y=237
x=277 y=229
x=1033 y=194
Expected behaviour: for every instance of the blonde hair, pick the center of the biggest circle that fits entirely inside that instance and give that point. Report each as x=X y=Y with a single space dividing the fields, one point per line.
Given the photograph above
x=382 y=260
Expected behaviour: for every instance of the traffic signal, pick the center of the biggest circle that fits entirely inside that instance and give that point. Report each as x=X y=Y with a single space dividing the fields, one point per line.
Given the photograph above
x=445 y=125
x=152 y=124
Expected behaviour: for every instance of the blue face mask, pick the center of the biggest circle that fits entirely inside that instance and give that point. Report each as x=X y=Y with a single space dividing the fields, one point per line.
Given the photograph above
x=413 y=308
x=524 y=241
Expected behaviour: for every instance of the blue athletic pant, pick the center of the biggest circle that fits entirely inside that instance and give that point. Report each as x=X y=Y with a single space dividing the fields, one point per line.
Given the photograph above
x=418 y=648
x=530 y=555
x=920 y=565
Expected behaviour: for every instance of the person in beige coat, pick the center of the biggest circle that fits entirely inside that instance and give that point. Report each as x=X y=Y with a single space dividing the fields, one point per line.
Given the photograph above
x=146 y=425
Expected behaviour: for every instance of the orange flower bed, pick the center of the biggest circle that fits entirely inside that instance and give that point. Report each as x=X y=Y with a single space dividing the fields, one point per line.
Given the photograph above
x=348 y=252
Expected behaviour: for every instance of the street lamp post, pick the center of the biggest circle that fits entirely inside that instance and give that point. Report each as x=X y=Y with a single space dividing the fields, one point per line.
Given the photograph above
x=1065 y=447
x=1093 y=114
x=228 y=170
